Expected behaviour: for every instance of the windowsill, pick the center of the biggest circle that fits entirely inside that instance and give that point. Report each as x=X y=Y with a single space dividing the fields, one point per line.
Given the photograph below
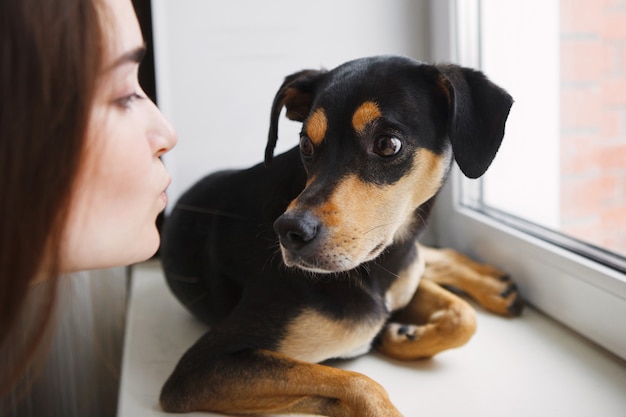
x=530 y=366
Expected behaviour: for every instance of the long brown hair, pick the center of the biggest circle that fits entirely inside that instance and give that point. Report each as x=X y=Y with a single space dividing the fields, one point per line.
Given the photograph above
x=50 y=55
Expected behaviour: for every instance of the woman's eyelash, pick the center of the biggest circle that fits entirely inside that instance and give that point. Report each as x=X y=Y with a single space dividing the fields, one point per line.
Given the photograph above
x=126 y=101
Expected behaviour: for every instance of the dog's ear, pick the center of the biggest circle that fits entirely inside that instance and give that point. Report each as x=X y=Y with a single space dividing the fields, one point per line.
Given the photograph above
x=296 y=95
x=477 y=113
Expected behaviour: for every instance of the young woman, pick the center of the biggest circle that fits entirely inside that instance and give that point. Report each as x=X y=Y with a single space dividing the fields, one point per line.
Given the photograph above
x=81 y=181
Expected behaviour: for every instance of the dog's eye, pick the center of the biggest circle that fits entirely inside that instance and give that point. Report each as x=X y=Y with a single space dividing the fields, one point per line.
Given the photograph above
x=306 y=146
x=387 y=146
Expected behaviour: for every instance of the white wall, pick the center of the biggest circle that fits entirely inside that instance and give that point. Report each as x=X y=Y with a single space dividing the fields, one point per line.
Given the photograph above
x=219 y=64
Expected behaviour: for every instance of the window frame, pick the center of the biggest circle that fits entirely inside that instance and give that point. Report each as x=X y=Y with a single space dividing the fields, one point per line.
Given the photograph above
x=580 y=293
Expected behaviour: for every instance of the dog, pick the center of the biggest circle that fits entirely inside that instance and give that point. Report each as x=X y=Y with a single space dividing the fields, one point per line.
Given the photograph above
x=313 y=254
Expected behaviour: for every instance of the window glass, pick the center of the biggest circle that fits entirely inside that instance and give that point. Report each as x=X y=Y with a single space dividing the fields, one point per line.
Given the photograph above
x=562 y=164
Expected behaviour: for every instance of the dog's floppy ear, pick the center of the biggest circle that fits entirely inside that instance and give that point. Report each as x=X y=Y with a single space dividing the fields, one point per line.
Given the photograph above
x=296 y=95
x=477 y=113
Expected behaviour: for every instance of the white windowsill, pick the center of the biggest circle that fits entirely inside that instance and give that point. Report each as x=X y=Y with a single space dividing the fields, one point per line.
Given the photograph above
x=530 y=366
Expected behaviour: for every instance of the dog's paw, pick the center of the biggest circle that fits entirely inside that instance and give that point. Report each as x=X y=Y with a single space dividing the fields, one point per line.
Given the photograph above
x=398 y=334
x=498 y=294
x=402 y=341
x=494 y=292
x=510 y=298
x=490 y=287
x=408 y=342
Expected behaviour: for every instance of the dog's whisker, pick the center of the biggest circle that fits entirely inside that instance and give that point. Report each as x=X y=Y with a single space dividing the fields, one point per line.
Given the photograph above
x=380 y=266
x=383 y=225
x=204 y=210
x=421 y=214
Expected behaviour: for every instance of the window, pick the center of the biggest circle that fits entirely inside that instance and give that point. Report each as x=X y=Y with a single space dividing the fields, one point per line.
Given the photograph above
x=552 y=208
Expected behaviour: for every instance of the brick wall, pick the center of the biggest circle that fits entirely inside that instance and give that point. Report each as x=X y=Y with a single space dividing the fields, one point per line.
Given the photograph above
x=593 y=121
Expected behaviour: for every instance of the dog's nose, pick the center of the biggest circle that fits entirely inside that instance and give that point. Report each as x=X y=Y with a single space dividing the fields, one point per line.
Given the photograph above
x=296 y=230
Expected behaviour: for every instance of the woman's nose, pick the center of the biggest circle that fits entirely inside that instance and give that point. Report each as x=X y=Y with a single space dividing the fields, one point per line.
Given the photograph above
x=163 y=134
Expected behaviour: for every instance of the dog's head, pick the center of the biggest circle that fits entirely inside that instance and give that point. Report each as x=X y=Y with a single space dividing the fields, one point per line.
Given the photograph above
x=378 y=136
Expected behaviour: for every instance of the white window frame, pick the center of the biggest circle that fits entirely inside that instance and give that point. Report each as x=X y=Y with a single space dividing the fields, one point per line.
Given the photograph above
x=584 y=295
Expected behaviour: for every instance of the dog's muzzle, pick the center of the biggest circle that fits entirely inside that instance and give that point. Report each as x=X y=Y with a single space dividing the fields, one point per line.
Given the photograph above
x=296 y=231
x=308 y=243
x=302 y=242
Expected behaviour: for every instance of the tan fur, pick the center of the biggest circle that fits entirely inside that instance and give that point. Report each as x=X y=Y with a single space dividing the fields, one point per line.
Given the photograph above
x=314 y=337
x=484 y=283
x=316 y=126
x=435 y=320
x=304 y=388
x=364 y=115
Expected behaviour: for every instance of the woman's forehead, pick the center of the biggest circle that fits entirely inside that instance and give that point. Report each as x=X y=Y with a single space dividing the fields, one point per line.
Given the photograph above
x=122 y=31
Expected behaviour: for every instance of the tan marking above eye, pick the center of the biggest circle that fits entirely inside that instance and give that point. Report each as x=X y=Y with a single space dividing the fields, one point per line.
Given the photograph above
x=316 y=126
x=364 y=115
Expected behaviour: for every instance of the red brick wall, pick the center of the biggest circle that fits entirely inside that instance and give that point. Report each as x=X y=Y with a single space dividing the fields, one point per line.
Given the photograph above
x=593 y=121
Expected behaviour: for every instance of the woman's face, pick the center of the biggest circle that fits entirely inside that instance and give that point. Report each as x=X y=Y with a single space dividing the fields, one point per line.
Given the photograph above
x=121 y=186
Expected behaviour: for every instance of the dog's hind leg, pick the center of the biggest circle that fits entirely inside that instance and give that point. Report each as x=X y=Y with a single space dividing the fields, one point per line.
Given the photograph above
x=433 y=321
x=490 y=287
x=254 y=382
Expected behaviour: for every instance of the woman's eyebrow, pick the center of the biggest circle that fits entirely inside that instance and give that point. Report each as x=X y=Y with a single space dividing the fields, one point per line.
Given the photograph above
x=133 y=56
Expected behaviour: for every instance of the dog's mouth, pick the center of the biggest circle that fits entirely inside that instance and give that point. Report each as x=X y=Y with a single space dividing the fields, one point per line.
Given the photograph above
x=376 y=251
x=318 y=264
x=327 y=243
x=306 y=266
x=328 y=262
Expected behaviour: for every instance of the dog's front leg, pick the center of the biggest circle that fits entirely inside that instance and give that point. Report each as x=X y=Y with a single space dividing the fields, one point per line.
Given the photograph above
x=490 y=287
x=433 y=321
x=266 y=382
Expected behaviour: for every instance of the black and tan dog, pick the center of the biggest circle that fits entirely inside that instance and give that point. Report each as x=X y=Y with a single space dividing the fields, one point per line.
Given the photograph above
x=378 y=138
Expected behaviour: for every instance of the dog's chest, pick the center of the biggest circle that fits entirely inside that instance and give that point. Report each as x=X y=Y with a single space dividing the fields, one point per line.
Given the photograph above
x=403 y=288
x=315 y=337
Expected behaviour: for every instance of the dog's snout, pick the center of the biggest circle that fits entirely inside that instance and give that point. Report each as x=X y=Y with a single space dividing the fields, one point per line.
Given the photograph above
x=296 y=230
